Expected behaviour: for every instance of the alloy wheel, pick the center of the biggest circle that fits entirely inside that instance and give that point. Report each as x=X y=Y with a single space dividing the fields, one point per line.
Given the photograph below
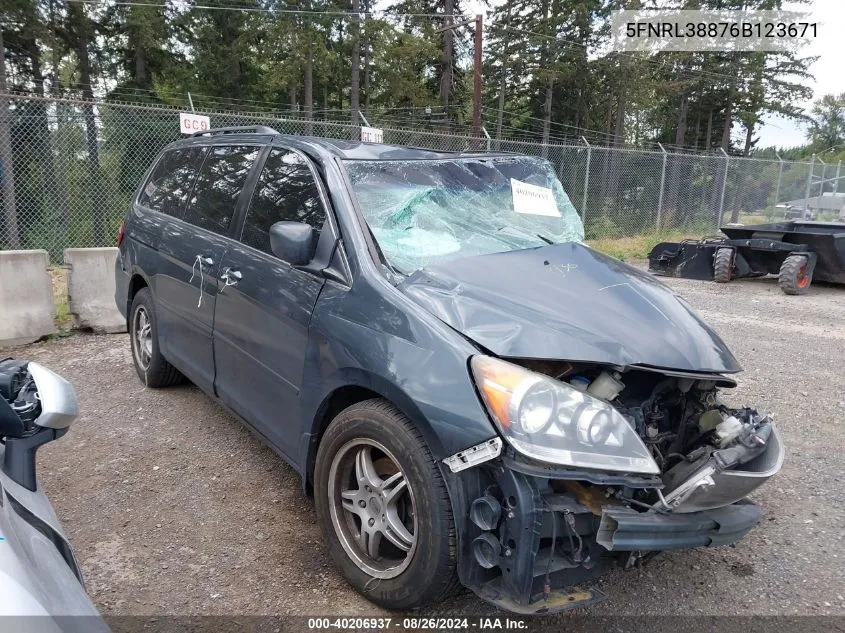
x=142 y=337
x=372 y=508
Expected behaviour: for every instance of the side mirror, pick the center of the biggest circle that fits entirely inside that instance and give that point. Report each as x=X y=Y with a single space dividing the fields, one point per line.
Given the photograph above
x=293 y=242
x=59 y=406
x=32 y=413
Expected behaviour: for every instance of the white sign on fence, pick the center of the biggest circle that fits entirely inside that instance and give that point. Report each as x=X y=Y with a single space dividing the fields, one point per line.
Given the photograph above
x=190 y=123
x=372 y=134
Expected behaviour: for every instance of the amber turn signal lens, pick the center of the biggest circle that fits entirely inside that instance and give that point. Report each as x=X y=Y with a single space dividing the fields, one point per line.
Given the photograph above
x=496 y=381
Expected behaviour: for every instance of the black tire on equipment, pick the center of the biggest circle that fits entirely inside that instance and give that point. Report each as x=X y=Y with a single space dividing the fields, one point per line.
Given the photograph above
x=431 y=575
x=794 y=278
x=723 y=265
x=159 y=373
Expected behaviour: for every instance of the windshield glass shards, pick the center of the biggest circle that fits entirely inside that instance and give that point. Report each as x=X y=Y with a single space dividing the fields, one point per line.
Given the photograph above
x=423 y=212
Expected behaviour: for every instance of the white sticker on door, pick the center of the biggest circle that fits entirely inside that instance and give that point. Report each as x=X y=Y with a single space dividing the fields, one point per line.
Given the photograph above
x=533 y=200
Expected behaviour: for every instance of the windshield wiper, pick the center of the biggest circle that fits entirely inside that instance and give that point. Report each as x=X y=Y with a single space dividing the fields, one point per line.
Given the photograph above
x=545 y=239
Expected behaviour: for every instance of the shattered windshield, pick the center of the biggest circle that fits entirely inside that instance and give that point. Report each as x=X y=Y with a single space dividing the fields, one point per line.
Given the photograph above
x=423 y=212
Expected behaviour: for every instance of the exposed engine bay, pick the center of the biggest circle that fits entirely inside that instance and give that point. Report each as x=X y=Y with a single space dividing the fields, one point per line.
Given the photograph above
x=710 y=457
x=691 y=433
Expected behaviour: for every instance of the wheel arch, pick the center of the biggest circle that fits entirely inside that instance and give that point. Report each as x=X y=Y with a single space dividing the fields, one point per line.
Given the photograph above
x=356 y=387
x=137 y=281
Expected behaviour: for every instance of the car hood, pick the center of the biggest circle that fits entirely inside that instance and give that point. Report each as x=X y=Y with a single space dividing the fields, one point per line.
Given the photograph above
x=568 y=302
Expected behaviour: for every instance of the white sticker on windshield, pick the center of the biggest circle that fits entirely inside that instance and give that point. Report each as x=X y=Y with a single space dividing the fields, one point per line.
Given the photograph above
x=533 y=200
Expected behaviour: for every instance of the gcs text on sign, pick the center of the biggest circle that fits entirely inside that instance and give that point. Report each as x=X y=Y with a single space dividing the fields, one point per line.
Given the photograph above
x=372 y=134
x=190 y=123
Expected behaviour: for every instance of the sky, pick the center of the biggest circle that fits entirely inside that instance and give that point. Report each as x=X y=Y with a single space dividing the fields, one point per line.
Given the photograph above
x=828 y=72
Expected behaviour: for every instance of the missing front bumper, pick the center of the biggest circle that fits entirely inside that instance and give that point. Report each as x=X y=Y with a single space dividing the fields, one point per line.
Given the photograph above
x=624 y=530
x=529 y=547
x=555 y=601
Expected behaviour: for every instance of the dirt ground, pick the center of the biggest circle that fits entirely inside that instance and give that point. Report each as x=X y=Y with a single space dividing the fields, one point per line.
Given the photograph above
x=173 y=507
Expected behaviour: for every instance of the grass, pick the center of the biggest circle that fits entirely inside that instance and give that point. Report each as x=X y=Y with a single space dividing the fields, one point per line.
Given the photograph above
x=751 y=219
x=638 y=247
x=748 y=218
x=64 y=319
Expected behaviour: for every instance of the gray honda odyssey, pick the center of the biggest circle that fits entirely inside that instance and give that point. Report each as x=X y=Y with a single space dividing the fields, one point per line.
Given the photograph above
x=471 y=394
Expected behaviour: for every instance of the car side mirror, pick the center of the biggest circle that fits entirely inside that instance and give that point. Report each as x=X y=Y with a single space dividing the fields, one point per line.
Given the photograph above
x=292 y=242
x=36 y=407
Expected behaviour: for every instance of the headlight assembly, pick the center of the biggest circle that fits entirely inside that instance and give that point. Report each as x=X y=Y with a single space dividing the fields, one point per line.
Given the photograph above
x=553 y=422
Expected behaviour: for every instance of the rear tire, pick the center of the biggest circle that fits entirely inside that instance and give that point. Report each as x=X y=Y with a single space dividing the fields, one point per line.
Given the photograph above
x=152 y=368
x=375 y=437
x=723 y=264
x=795 y=277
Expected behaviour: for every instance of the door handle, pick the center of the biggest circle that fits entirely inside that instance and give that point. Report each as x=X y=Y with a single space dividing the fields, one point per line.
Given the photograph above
x=231 y=274
x=230 y=277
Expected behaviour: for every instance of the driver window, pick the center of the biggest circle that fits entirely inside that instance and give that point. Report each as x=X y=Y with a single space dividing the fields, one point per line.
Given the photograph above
x=286 y=190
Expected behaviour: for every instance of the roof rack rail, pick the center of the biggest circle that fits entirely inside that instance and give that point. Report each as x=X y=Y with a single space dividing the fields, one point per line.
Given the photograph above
x=241 y=129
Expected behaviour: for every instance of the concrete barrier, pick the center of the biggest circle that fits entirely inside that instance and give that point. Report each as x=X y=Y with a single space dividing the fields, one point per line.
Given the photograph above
x=91 y=289
x=26 y=297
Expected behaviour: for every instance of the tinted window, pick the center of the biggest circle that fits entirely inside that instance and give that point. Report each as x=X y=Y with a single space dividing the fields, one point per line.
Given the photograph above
x=223 y=174
x=286 y=190
x=171 y=181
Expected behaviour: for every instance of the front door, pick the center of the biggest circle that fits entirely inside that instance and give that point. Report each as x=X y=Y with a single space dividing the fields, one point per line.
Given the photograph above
x=262 y=316
x=192 y=250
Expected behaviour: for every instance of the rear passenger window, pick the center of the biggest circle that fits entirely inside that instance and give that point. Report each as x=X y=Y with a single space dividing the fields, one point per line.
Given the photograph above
x=220 y=181
x=170 y=183
x=286 y=190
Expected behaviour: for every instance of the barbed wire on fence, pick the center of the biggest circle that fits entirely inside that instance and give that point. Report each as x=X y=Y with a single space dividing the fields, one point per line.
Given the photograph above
x=75 y=165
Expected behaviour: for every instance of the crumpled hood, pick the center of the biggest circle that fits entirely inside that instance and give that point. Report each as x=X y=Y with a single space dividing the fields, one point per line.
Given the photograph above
x=568 y=302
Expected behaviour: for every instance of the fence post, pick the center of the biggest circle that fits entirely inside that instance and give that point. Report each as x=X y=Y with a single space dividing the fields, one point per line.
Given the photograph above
x=586 y=181
x=809 y=180
x=724 y=186
x=780 y=175
x=821 y=180
x=662 y=183
x=836 y=180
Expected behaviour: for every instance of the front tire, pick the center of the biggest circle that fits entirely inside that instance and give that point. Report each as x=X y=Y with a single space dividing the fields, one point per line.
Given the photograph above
x=152 y=368
x=384 y=508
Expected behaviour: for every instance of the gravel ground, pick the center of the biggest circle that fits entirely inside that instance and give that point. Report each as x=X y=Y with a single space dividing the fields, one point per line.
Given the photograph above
x=173 y=507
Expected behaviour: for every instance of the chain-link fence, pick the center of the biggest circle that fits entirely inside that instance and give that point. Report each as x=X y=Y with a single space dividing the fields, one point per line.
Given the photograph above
x=70 y=168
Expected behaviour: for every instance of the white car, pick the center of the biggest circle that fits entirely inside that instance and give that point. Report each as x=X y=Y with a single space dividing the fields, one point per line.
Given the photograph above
x=41 y=585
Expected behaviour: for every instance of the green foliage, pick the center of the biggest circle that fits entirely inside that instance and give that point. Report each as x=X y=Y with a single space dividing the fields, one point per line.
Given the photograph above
x=543 y=61
x=602 y=226
x=637 y=248
x=539 y=55
x=827 y=131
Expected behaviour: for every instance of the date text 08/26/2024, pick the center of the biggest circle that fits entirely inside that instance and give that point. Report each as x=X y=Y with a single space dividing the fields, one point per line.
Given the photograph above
x=419 y=623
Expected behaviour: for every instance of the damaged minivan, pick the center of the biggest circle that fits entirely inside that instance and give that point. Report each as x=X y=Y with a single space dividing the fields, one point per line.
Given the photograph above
x=471 y=393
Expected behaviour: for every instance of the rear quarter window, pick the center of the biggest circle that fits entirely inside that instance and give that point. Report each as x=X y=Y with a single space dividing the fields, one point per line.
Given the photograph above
x=171 y=180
